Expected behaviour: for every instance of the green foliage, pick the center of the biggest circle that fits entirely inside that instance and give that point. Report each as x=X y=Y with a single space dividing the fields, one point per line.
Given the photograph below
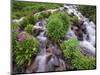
x=69 y=47
x=25 y=8
x=15 y=25
x=42 y=15
x=58 y=25
x=15 y=15
x=55 y=29
x=65 y=19
x=24 y=22
x=46 y=14
x=32 y=19
x=25 y=50
x=82 y=62
x=88 y=11
x=75 y=20
x=75 y=58
x=38 y=17
x=29 y=28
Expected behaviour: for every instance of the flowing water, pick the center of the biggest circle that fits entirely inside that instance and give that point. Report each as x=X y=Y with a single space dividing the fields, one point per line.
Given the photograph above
x=46 y=61
x=89 y=43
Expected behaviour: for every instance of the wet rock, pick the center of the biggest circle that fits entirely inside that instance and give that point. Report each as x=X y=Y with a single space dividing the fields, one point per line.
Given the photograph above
x=53 y=63
x=80 y=23
x=75 y=28
x=49 y=55
x=87 y=37
x=56 y=61
x=72 y=28
x=57 y=52
x=87 y=48
x=40 y=24
x=85 y=51
x=49 y=50
x=32 y=68
x=67 y=66
x=82 y=26
x=52 y=60
x=36 y=32
x=79 y=34
x=62 y=66
x=72 y=14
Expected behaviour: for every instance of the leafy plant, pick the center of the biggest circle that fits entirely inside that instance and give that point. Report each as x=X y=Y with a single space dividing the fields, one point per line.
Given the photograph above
x=24 y=50
x=88 y=11
x=38 y=17
x=26 y=8
x=55 y=29
x=29 y=28
x=58 y=25
x=69 y=47
x=16 y=15
x=75 y=20
x=82 y=62
x=24 y=22
x=32 y=19
x=15 y=25
x=65 y=19
x=45 y=14
x=75 y=58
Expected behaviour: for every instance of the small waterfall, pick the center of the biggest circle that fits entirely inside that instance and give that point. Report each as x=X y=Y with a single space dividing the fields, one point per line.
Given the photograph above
x=90 y=29
x=41 y=63
x=46 y=60
x=41 y=57
x=91 y=32
x=42 y=40
x=70 y=33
